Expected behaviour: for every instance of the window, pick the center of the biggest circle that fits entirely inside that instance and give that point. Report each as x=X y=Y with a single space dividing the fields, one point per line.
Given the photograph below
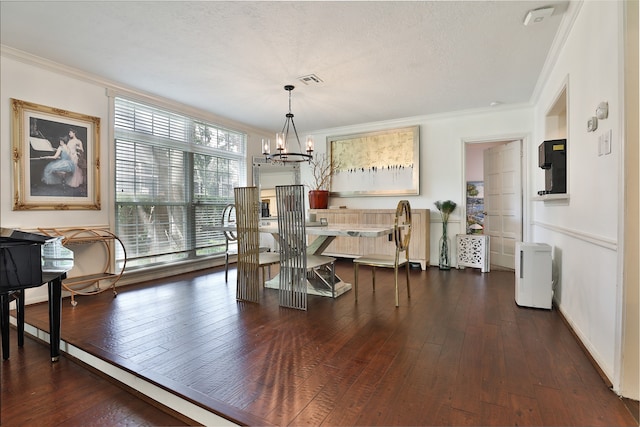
x=174 y=175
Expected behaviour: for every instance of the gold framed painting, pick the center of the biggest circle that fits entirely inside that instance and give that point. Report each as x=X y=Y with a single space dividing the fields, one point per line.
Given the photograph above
x=55 y=153
x=380 y=163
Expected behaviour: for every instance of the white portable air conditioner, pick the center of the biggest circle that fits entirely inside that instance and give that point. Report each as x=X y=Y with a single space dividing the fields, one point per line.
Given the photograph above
x=534 y=283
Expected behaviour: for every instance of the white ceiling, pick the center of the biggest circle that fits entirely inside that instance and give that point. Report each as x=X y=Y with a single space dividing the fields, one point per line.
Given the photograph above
x=378 y=60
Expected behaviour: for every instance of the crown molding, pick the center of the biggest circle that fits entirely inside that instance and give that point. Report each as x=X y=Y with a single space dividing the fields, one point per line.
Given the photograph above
x=113 y=88
x=568 y=19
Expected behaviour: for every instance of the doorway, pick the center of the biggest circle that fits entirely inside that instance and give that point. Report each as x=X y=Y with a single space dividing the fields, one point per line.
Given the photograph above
x=493 y=196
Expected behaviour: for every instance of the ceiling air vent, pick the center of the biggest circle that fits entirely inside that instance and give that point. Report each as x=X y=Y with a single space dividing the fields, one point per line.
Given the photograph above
x=310 y=79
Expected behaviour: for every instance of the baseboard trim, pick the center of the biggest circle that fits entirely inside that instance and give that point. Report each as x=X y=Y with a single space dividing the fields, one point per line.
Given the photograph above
x=585 y=350
x=634 y=408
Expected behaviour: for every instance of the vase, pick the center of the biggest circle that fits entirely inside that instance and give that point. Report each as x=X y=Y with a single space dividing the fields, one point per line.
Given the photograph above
x=318 y=199
x=444 y=259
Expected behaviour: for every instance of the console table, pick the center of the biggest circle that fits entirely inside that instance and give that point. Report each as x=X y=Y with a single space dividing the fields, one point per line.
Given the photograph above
x=91 y=283
x=351 y=247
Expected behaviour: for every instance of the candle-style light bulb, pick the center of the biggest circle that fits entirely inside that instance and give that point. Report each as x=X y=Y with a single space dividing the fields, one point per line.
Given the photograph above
x=266 y=146
x=279 y=141
x=309 y=144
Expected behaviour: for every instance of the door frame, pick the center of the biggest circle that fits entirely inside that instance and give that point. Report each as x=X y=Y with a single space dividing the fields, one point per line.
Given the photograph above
x=525 y=181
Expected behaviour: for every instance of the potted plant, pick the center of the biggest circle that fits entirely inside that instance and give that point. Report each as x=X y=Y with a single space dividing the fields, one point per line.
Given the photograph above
x=321 y=171
x=445 y=208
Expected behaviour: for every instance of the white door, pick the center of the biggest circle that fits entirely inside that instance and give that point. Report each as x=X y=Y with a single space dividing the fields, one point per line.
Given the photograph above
x=503 y=201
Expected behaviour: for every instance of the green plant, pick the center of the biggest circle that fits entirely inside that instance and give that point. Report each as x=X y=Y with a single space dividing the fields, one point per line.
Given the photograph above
x=445 y=208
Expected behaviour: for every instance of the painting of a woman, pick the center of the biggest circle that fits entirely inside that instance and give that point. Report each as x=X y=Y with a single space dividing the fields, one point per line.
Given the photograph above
x=76 y=150
x=62 y=168
x=56 y=158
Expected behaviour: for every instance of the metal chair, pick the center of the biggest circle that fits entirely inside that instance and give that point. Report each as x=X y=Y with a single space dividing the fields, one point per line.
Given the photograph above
x=401 y=238
x=294 y=261
x=229 y=230
x=250 y=258
x=228 y=222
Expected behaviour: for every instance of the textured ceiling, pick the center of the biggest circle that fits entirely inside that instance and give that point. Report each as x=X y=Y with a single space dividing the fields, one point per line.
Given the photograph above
x=377 y=60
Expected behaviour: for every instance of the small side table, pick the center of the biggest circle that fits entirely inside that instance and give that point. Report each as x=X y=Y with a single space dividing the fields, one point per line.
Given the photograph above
x=473 y=251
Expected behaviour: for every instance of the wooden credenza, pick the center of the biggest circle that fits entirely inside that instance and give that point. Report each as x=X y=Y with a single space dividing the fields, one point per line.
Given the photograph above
x=351 y=247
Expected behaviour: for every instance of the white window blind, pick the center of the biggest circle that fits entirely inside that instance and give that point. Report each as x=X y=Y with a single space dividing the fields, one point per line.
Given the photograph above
x=174 y=175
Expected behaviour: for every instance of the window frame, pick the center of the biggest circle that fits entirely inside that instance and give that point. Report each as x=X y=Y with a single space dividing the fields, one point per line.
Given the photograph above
x=211 y=159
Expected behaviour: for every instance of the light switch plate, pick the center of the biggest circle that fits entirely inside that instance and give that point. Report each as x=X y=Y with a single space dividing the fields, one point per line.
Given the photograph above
x=600 y=146
x=606 y=142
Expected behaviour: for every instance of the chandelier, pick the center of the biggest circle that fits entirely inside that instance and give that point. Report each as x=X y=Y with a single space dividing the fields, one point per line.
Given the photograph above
x=283 y=154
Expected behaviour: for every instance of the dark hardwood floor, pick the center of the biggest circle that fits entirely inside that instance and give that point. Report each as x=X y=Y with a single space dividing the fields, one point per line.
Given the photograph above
x=459 y=352
x=36 y=392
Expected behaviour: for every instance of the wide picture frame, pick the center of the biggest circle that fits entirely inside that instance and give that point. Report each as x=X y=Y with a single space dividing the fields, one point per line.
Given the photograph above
x=379 y=163
x=56 y=163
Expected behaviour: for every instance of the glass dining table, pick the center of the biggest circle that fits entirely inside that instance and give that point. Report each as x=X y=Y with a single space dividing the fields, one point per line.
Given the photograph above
x=319 y=283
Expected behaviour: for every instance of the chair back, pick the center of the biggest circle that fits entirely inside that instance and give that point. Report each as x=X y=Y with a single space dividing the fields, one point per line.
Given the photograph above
x=229 y=220
x=402 y=228
x=293 y=246
x=248 y=237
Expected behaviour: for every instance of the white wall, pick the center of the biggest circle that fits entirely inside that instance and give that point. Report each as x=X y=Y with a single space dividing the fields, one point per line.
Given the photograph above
x=34 y=84
x=584 y=230
x=441 y=159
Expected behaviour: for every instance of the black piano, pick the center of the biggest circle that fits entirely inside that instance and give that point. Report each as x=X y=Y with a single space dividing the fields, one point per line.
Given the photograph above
x=29 y=260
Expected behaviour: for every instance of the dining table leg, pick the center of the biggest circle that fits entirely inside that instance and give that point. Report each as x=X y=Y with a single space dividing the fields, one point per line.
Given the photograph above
x=322 y=281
